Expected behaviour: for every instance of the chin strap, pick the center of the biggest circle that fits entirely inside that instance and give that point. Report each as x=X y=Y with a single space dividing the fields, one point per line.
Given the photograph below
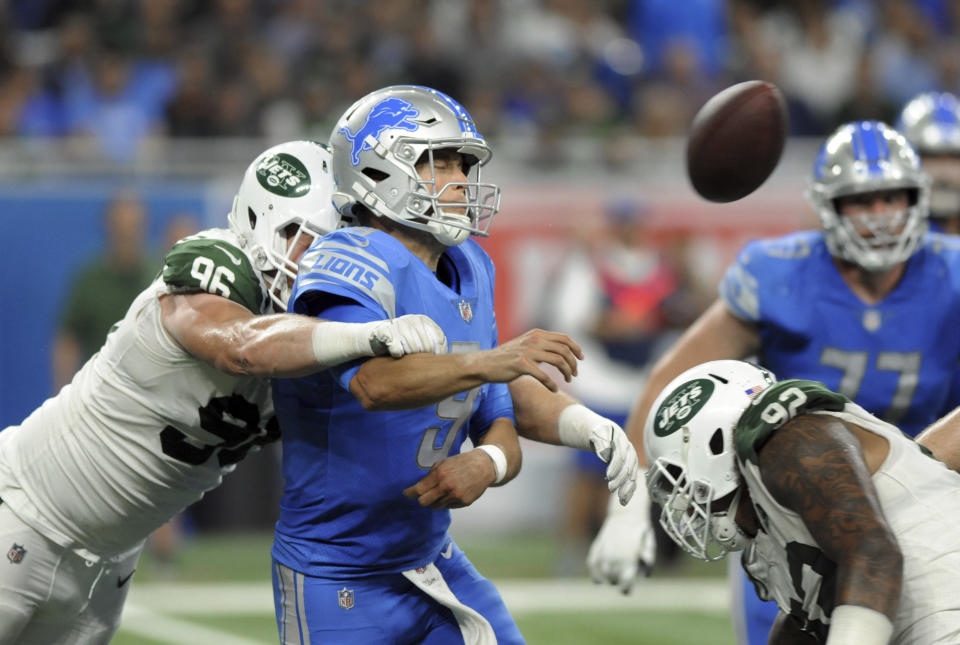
x=726 y=531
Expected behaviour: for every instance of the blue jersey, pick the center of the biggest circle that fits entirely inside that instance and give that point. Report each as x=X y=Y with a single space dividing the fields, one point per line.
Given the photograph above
x=343 y=513
x=898 y=359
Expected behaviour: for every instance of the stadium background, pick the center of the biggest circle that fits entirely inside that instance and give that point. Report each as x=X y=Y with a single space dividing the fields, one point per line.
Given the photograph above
x=583 y=102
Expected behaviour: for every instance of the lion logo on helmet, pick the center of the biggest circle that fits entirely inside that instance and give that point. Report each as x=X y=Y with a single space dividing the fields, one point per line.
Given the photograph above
x=389 y=113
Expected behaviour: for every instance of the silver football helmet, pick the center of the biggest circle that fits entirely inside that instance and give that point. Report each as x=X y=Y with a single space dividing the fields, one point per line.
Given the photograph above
x=688 y=438
x=931 y=122
x=377 y=144
x=285 y=194
x=862 y=157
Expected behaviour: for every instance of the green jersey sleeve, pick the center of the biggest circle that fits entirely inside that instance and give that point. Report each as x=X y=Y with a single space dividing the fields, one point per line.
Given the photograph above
x=775 y=406
x=198 y=265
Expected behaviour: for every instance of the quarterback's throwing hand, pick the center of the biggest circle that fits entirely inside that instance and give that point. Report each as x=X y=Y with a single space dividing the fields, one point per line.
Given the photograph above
x=410 y=334
x=625 y=545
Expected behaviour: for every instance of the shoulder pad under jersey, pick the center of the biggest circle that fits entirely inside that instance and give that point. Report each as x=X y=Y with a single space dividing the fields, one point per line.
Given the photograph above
x=775 y=406
x=763 y=267
x=200 y=264
x=355 y=262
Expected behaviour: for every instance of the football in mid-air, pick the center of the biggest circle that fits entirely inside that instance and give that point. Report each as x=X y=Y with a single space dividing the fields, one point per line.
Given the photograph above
x=735 y=140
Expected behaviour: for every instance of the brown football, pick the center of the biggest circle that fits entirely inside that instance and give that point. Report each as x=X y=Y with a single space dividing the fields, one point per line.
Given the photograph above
x=735 y=140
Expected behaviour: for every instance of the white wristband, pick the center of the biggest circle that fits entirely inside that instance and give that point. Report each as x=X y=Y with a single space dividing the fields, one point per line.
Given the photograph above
x=338 y=342
x=498 y=458
x=855 y=625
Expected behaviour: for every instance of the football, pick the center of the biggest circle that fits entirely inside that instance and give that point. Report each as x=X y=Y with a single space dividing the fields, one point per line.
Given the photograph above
x=735 y=140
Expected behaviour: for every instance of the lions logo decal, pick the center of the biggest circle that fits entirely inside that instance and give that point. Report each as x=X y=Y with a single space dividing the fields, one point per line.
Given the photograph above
x=389 y=113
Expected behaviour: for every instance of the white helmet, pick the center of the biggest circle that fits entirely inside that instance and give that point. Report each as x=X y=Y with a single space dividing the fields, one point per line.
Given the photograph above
x=688 y=439
x=378 y=142
x=285 y=193
x=862 y=157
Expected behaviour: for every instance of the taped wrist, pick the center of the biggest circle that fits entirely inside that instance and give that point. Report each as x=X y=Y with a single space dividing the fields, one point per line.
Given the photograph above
x=575 y=424
x=339 y=342
x=856 y=625
x=498 y=458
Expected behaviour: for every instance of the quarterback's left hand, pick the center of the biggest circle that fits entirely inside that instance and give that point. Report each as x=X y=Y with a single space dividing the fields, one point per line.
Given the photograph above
x=580 y=427
x=454 y=482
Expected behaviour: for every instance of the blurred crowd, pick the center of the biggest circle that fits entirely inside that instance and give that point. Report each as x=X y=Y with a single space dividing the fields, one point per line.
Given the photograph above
x=112 y=74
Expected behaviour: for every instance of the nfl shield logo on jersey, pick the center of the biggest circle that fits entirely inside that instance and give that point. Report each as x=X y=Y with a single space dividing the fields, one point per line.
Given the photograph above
x=345 y=598
x=466 y=312
x=16 y=553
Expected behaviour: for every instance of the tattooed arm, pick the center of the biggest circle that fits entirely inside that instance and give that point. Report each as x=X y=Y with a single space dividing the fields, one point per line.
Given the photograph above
x=814 y=465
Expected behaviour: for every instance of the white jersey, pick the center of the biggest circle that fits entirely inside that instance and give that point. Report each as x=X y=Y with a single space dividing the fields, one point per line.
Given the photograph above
x=920 y=498
x=144 y=429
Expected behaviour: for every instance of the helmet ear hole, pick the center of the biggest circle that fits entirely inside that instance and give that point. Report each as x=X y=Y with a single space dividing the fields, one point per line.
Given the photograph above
x=716 y=442
x=252 y=217
x=375 y=175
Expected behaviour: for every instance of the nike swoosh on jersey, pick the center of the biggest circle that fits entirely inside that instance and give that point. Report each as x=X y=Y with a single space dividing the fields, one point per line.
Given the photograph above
x=123 y=581
x=448 y=552
x=230 y=255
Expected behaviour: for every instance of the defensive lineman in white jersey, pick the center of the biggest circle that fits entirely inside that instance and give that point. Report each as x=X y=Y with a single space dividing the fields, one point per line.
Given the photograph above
x=174 y=399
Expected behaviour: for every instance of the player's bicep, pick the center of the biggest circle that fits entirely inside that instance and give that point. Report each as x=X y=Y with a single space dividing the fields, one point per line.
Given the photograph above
x=814 y=466
x=202 y=324
x=495 y=403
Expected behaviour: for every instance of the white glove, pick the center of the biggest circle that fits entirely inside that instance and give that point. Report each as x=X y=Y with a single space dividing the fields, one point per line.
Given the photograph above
x=625 y=545
x=580 y=427
x=410 y=334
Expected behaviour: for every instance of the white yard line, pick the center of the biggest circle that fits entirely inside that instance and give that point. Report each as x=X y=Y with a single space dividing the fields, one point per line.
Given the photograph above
x=163 y=628
x=161 y=611
x=520 y=595
x=575 y=595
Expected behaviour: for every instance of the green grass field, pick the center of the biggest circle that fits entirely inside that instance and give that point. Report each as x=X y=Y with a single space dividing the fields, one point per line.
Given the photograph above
x=219 y=592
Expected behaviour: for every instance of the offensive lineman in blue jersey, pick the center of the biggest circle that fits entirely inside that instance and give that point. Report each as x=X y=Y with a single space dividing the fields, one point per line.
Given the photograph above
x=866 y=306
x=372 y=458
x=931 y=123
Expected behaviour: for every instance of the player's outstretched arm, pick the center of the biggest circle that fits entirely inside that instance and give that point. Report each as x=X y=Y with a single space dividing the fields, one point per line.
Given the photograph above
x=419 y=380
x=232 y=339
x=556 y=418
x=815 y=466
x=460 y=480
x=942 y=438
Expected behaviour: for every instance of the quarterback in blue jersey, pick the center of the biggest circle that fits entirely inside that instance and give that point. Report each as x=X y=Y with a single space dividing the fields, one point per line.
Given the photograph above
x=372 y=455
x=864 y=305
